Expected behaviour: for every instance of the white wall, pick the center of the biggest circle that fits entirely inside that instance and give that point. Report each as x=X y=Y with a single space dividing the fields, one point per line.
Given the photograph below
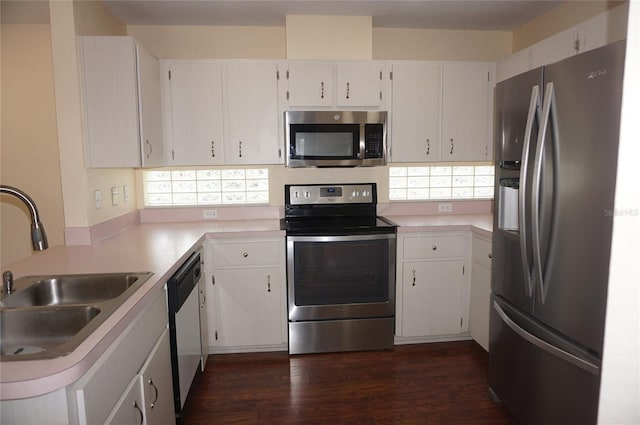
x=620 y=387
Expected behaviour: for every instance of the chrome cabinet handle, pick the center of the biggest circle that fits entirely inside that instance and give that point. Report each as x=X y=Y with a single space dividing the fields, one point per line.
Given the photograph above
x=150 y=151
x=245 y=254
x=268 y=283
x=451 y=151
x=321 y=89
x=414 y=278
x=428 y=146
x=434 y=248
x=155 y=398
x=135 y=406
x=490 y=256
x=240 y=149
x=348 y=89
x=213 y=149
x=204 y=299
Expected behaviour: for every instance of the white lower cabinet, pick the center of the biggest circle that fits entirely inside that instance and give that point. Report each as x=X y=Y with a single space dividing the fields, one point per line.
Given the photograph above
x=116 y=389
x=149 y=396
x=479 y=304
x=432 y=287
x=247 y=286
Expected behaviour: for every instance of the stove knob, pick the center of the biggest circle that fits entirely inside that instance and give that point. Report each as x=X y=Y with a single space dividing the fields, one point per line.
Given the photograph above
x=354 y=194
x=307 y=195
x=296 y=194
x=365 y=193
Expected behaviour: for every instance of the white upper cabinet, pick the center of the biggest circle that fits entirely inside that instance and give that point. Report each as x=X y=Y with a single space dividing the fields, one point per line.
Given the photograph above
x=194 y=113
x=114 y=104
x=310 y=83
x=150 y=106
x=603 y=29
x=467 y=89
x=359 y=84
x=441 y=112
x=349 y=84
x=415 y=129
x=221 y=112
x=252 y=115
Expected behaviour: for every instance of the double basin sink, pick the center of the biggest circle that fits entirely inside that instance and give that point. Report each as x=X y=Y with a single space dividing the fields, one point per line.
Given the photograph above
x=49 y=316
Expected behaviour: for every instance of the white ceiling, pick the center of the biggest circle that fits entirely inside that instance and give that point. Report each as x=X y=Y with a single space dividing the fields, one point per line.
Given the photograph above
x=500 y=15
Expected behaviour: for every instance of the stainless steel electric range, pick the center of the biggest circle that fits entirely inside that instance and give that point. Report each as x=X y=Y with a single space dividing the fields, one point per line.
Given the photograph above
x=341 y=261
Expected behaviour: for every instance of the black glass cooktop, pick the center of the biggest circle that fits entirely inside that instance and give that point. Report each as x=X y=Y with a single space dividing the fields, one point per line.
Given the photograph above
x=337 y=225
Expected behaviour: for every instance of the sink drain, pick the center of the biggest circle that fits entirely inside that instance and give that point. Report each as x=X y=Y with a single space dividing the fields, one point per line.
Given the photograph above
x=23 y=349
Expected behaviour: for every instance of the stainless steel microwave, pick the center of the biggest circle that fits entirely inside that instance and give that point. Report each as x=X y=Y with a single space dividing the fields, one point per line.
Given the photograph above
x=335 y=138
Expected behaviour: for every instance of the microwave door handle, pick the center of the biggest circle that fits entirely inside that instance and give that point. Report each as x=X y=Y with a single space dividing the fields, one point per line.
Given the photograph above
x=362 y=144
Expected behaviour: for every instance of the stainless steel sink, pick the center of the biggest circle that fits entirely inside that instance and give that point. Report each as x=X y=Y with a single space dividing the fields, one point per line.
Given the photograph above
x=49 y=316
x=34 y=331
x=70 y=289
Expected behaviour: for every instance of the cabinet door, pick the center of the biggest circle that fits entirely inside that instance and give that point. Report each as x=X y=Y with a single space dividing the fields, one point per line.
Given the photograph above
x=252 y=114
x=204 y=328
x=359 y=84
x=157 y=384
x=311 y=83
x=150 y=109
x=415 y=127
x=196 y=113
x=479 y=304
x=466 y=112
x=432 y=298
x=249 y=306
x=110 y=101
x=130 y=409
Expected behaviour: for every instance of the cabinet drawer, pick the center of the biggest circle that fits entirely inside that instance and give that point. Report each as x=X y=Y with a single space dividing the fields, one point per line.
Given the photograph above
x=424 y=247
x=481 y=251
x=246 y=253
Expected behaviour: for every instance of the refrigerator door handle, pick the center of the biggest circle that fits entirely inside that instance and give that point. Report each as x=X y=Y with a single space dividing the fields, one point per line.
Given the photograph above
x=534 y=105
x=547 y=111
x=543 y=345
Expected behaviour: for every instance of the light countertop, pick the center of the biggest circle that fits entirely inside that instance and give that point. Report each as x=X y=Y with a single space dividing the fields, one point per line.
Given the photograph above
x=159 y=248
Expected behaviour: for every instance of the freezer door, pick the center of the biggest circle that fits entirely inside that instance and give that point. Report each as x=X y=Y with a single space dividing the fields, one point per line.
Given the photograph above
x=537 y=376
x=518 y=101
x=577 y=167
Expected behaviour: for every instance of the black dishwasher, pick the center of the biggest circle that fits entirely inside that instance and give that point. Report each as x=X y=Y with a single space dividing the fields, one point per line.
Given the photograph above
x=184 y=327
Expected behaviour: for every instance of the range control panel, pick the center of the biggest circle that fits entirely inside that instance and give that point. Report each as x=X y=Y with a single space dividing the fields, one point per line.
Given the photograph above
x=331 y=194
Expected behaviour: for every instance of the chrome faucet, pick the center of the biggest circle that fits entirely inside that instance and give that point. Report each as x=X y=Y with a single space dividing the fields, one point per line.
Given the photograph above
x=38 y=236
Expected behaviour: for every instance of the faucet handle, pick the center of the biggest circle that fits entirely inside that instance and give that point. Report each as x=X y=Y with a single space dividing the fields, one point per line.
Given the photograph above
x=7 y=282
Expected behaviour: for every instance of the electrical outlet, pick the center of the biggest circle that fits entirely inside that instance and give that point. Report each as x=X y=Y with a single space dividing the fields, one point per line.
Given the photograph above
x=210 y=214
x=125 y=193
x=97 y=196
x=114 y=196
x=445 y=207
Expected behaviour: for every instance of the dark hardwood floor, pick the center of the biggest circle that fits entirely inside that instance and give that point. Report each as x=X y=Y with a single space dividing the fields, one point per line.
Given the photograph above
x=439 y=384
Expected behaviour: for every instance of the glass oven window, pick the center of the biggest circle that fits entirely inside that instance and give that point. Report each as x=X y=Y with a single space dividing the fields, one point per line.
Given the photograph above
x=346 y=272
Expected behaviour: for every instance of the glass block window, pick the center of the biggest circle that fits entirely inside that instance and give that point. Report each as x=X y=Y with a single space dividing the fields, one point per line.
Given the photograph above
x=206 y=187
x=441 y=182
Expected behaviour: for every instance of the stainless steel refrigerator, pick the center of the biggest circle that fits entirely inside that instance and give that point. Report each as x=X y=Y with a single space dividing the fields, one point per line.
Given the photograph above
x=556 y=144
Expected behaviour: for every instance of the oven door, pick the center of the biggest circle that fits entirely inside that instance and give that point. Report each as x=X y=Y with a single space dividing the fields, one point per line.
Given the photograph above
x=341 y=277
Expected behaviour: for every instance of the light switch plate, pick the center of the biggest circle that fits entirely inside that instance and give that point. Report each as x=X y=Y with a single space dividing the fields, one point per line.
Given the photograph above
x=114 y=196
x=210 y=214
x=97 y=196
